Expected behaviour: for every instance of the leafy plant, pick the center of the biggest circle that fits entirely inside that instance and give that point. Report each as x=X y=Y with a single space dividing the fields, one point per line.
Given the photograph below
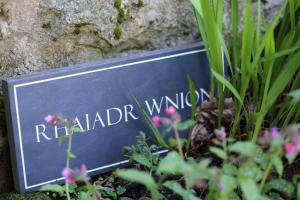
x=143 y=153
x=241 y=172
x=263 y=64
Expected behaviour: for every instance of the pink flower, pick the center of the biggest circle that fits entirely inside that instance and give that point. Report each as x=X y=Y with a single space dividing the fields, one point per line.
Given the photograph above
x=67 y=173
x=170 y=111
x=274 y=132
x=156 y=121
x=289 y=148
x=51 y=119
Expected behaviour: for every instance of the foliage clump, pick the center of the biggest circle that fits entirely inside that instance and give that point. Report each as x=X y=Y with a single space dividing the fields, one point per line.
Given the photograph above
x=118 y=31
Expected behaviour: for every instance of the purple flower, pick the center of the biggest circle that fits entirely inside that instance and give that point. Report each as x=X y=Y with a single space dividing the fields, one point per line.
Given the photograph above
x=72 y=176
x=297 y=143
x=51 y=119
x=69 y=176
x=274 y=132
x=220 y=186
x=170 y=111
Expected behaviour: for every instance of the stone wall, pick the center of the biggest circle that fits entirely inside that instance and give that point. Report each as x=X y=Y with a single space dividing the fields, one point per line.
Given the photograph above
x=37 y=35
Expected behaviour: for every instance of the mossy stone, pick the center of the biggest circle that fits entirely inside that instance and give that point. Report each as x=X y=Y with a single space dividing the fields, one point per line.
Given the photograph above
x=118 y=32
x=33 y=196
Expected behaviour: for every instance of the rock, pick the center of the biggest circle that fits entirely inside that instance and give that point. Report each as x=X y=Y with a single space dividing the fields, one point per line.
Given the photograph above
x=37 y=35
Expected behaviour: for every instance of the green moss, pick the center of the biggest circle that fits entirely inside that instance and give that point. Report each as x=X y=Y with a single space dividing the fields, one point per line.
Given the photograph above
x=33 y=196
x=118 y=31
x=118 y=4
x=2 y=62
x=12 y=196
x=77 y=28
x=141 y=3
x=76 y=31
x=46 y=26
x=121 y=16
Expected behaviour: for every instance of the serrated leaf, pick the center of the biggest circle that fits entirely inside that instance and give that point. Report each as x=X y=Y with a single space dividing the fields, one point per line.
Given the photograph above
x=243 y=148
x=140 y=177
x=172 y=164
x=142 y=159
x=120 y=190
x=280 y=185
x=277 y=163
x=218 y=152
x=177 y=188
x=230 y=169
x=229 y=183
x=249 y=188
x=60 y=190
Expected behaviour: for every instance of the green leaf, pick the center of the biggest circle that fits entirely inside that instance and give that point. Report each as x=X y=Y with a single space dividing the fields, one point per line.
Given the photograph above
x=295 y=95
x=298 y=191
x=177 y=188
x=62 y=138
x=70 y=155
x=249 y=189
x=193 y=96
x=120 y=190
x=277 y=163
x=243 y=148
x=181 y=126
x=228 y=85
x=171 y=164
x=53 y=188
x=280 y=185
x=140 y=177
x=142 y=159
x=77 y=130
x=286 y=75
x=229 y=183
x=230 y=169
x=109 y=192
x=154 y=130
x=218 y=152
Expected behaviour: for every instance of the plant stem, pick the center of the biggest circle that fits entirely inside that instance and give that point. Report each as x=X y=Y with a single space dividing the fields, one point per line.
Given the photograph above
x=178 y=142
x=267 y=171
x=70 y=133
x=259 y=122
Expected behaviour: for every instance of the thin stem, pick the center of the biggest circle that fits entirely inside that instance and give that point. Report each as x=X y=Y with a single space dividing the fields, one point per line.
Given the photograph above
x=178 y=142
x=267 y=171
x=258 y=125
x=70 y=133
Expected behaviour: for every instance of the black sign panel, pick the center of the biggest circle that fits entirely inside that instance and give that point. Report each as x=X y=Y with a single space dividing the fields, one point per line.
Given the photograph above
x=95 y=95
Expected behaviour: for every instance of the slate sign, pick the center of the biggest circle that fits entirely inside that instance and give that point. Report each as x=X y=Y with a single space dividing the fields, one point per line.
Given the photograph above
x=96 y=95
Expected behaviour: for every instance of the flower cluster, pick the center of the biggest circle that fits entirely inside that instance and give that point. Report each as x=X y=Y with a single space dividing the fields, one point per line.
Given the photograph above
x=72 y=176
x=291 y=139
x=51 y=119
x=173 y=118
